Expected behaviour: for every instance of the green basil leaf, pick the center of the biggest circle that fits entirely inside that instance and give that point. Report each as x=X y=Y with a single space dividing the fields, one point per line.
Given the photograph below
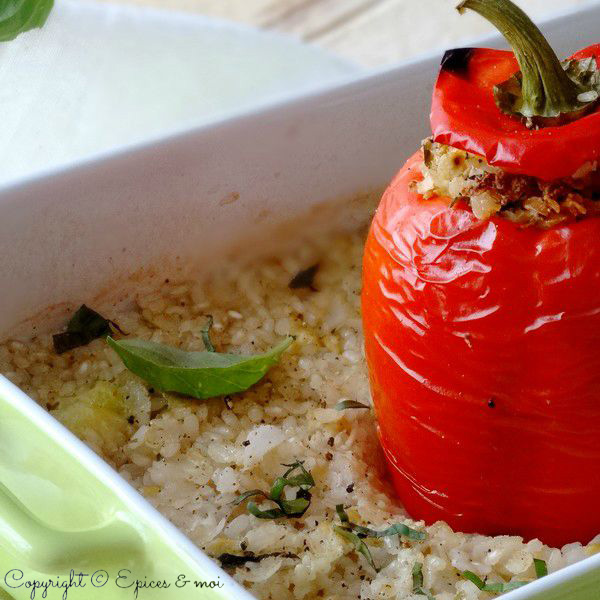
x=358 y=544
x=18 y=16
x=277 y=488
x=355 y=534
x=287 y=508
x=304 y=480
x=495 y=588
x=272 y=513
x=206 y=334
x=417 y=577
x=541 y=569
x=85 y=326
x=474 y=579
x=295 y=508
x=299 y=464
x=198 y=374
x=247 y=495
x=502 y=588
x=397 y=529
x=342 y=514
x=344 y=404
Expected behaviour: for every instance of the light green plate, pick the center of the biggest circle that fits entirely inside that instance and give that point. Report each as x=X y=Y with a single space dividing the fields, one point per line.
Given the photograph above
x=63 y=509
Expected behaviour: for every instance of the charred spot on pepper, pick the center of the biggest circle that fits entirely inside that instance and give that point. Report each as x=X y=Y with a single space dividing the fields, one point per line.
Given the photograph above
x=457 y=60
x=491 y=402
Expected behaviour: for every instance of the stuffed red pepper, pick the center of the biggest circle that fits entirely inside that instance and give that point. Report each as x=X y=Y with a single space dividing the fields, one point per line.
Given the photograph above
x=481 y=296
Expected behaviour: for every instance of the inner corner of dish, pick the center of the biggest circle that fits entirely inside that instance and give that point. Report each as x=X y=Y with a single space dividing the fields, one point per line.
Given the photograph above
x=194 y=458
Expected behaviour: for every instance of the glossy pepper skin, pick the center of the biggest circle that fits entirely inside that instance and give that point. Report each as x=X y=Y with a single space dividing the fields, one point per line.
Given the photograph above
x=483 y=346
x=464 y=115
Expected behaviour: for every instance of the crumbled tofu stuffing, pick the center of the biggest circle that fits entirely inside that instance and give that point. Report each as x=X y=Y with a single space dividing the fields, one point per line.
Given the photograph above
x=490 y=191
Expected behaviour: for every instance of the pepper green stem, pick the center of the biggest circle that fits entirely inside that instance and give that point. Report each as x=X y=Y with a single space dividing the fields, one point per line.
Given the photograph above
x=543 y=89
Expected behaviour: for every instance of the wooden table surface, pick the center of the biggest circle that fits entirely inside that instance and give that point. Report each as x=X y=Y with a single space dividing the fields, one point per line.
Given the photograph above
x=369 y=32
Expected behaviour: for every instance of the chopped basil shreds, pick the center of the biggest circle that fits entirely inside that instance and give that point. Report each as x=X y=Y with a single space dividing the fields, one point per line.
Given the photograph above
x=426 y=593
x=502 y=588
x=206 y=334
x=235 y=560
x=18 y=16
x=496 y=588
x=344 y=404
x=474 y=579
x=417 y=577
x=541 y=569
x=198 y=374
x=398 y=529
x=359 y=545
x=295 y=477
x=85 y=326
x=342 y=514
x=305 y=279
x=356 y=533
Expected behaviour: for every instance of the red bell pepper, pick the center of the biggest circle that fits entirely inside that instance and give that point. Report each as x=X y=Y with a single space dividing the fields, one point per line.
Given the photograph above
x=482 y=337
x=464 y=113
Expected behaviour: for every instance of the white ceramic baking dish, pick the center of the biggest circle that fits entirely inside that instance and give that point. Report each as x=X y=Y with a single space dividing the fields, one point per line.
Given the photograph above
x=66 y=237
